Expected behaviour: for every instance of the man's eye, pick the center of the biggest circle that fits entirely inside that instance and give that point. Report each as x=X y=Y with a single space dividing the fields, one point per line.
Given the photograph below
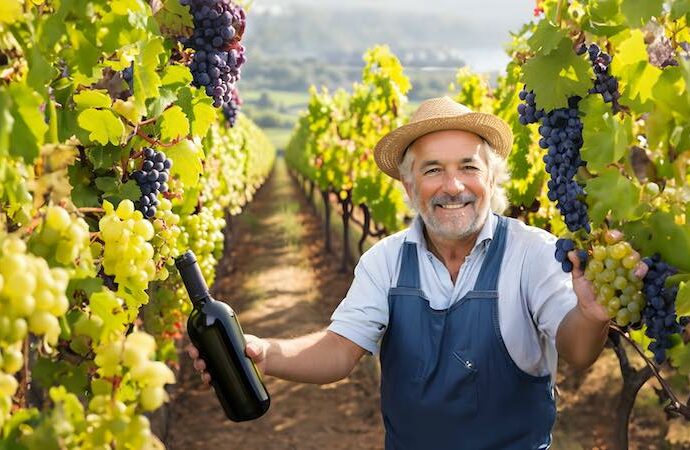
x=471 y=168
x=430 y=171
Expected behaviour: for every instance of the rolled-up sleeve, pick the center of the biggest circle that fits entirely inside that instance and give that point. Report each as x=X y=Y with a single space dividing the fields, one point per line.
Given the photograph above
x=550 y=290
x=362 y=316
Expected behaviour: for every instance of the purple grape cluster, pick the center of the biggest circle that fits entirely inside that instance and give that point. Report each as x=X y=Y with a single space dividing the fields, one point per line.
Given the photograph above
x=528 y=112
x=232 y=108
x=561 y=135
x=152 y=178
x=563 y=246
x=604 y=83
x=659 y=314
x=218 y=28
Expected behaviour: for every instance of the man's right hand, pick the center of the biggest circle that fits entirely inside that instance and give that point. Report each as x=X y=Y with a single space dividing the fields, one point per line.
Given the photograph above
x=256 y=349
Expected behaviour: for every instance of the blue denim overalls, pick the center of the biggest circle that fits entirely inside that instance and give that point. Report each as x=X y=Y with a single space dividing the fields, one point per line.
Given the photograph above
x=447 y=380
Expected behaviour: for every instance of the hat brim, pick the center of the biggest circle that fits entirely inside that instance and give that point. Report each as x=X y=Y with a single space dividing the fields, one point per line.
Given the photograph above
x=389 y=150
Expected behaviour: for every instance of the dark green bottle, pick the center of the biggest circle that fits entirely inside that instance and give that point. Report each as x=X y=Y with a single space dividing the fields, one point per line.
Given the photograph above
x=215 y=331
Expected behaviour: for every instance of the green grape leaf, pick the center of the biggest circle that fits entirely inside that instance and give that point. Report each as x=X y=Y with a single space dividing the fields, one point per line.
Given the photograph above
x=638 y=12
x=546 y=37
x=129 y=190
x=103 y=125
x=611 y=193
x=106 y=184
x=606 y=136
x=29 y=128
x=680 y=356
x=83 y=194
x=605 y=17
x=680 y=8
x=40 y=69
x=683 y=299
x=174 y=19
x=557 y=76
x=89 y=98
x=145 y=78
x=670 y=92
x=186 y=156
x=198 y=108
x=636 y=75
x=174 y=124
x=166 y=97
x=659 y=233
x=104 y=157
x=176 y=76
x=6 y=121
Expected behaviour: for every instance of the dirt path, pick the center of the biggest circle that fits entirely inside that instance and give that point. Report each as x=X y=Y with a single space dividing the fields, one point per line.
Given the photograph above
x=276 y=277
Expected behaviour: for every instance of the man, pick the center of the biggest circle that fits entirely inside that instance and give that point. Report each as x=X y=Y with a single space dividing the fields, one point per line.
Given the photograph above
x=468 y=309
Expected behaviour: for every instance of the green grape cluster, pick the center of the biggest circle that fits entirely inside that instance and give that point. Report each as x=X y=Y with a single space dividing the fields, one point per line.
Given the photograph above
x=63 y=240
x=166 y=237
x=131 y=359
x=127 y=252
x=203 y=234
x=32 y=298
x=612 y=271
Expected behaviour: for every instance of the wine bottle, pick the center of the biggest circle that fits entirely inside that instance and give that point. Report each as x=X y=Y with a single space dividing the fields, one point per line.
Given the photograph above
x=215 y=331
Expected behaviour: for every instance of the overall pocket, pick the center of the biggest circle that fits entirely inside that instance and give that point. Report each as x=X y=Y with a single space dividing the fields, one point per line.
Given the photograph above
x=461 y=389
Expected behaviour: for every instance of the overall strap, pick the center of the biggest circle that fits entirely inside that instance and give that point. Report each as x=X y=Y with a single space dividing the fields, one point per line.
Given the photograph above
x=409 y=267
x=488 y=274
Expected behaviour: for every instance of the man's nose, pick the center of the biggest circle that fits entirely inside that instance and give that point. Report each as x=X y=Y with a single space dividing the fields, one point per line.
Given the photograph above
x=452 y=183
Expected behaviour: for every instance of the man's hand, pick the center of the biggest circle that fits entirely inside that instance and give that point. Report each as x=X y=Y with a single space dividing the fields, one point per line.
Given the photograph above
x=256 y=349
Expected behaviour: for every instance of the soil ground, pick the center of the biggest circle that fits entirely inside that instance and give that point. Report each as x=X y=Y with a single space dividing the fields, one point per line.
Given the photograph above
x=281 y=283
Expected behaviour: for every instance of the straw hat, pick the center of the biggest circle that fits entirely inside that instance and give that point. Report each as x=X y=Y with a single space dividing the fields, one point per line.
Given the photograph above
x=438 y=114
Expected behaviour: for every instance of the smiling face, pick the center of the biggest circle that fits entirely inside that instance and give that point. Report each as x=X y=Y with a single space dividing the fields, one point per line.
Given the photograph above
x=450 y=185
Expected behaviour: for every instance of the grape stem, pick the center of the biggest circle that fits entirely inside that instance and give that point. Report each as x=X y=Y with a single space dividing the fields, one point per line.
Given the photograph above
x=676 y=407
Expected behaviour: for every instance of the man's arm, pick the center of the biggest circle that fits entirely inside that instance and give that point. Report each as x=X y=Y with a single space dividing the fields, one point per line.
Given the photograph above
x=320 y=358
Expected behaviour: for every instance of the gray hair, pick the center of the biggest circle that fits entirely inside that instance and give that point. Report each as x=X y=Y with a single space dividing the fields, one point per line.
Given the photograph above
x=497 y=167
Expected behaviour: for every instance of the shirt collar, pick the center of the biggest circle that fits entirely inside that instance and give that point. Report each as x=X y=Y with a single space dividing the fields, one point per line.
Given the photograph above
x=486 y=234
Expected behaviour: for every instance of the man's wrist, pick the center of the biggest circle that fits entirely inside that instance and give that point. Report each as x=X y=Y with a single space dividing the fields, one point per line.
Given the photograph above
x=595 y=320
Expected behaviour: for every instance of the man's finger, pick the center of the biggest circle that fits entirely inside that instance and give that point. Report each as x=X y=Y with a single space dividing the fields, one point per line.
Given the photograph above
x=641 y=269
x=192 y=351
x=199 y=364
x=206 y=378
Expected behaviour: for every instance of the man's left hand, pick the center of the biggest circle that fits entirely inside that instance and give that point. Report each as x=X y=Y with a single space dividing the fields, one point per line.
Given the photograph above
x=586 y=294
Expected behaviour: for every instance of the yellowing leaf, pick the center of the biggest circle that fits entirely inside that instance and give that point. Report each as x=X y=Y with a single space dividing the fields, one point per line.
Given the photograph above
x=104 y=127
x=632 y=68
x=186 y=156
x=92 y=99
x=127 y=109
x=10 y=11
x=174 y=124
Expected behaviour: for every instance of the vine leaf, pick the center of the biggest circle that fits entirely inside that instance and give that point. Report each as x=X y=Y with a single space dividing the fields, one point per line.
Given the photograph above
x=10 y=11
x=606 y=136
x=546 y=37
x=103 y=126
x=91 y=98
x=632 y=68
x=611 y=193
x=557 y=76
x=186 y=156
x=28 y=129
x=174 y=124
x=659 y=233
x=638 y=12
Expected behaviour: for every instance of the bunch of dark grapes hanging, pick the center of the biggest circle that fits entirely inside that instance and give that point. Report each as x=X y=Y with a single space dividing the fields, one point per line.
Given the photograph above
x=604 y=83
x=218 y=28
x=659 y=315
x=528 y=112
x=152 y=178
x=561 y=136
x=232 y=108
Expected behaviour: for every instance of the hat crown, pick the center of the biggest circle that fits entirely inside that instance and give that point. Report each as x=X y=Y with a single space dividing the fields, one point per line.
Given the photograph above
x=438 y=107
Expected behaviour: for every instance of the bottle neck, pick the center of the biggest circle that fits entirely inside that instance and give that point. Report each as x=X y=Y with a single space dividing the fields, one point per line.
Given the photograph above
x=194 y=282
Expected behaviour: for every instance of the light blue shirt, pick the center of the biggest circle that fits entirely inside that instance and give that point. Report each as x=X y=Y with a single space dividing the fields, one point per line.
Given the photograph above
x=534 y=292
